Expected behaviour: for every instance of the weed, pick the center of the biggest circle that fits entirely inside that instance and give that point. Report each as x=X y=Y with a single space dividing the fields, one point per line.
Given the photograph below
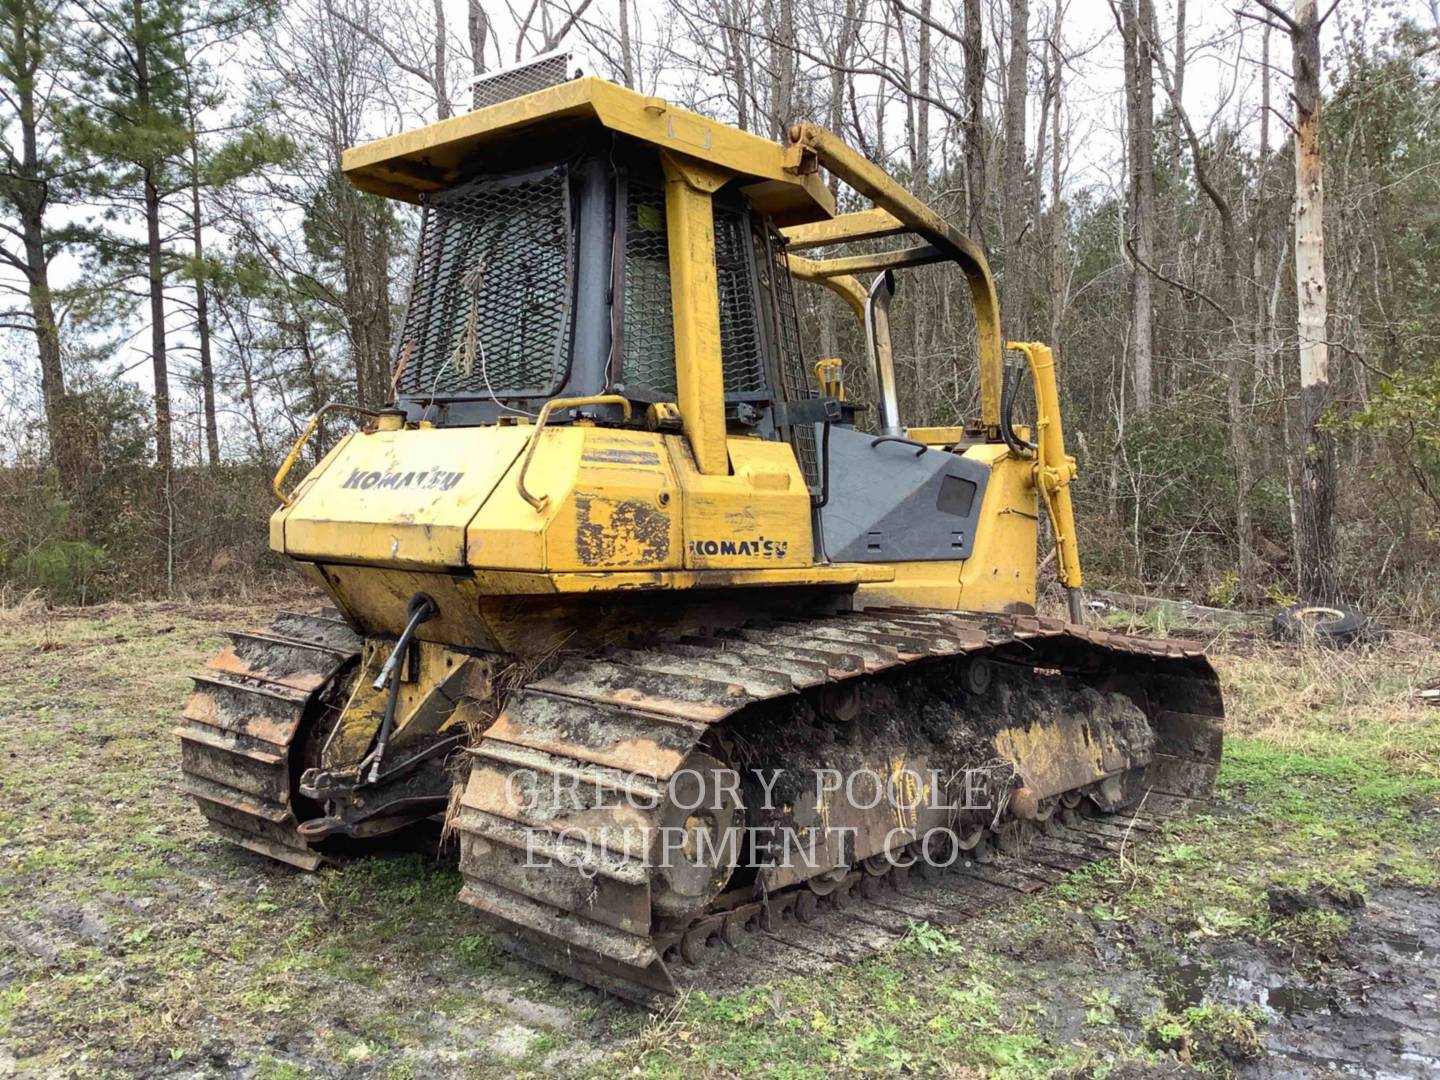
x=1215 y=1036
x=922 y=939
x=10 y=1002
x=1100 y=1007
x=878 y=1047
x=267 y=1068
x=658 y=1035
x=477 y=952
x=1317 y=932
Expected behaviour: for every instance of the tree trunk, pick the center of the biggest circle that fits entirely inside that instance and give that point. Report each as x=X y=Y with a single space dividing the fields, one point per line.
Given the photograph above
x=1013 y=215
x=441 y=76
x=202 y=326
x=1138 y=22
x=1165 y=376
x=155 y=267
x=1316 y=542
x=922 y=105
x=477 y=26
x=974 y=117
x=739 y=68
x=1057 y=216
x=164 y=457
x=47 y=336
x=782 y=68
x=627 y=60
x=202 y=296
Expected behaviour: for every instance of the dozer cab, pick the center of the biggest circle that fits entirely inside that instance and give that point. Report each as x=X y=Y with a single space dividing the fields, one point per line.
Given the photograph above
x=674 y=635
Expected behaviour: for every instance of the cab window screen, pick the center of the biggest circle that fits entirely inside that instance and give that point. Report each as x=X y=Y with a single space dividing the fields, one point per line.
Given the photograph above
x=649 y=328
x=490 y=303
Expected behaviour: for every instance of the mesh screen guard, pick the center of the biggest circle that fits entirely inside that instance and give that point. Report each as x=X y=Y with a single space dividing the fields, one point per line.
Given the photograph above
x=491 y=298
x=648 y=331
x=539 y=74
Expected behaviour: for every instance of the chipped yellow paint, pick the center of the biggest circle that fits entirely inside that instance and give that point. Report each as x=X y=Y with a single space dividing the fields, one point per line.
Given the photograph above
x=873 y=224
x=1054 y=469
x=1065 y=753
x=1000 y=573
x=903 y=794
x=757 y=517
x=611 y=503
x=519 y=583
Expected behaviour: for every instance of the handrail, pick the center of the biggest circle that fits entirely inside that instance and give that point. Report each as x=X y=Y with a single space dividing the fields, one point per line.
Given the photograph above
x=919 y=452
x=539 y=501
x=294 y=455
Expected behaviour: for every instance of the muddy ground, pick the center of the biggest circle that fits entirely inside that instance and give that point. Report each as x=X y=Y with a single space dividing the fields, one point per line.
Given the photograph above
x=1291 y=931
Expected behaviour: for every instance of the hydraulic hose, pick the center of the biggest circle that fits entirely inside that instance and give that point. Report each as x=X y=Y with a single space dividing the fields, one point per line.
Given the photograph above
x=421 y=608
x=1009 y=388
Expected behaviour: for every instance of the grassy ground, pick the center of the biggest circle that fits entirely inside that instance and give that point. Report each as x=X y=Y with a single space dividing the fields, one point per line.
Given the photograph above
x=132 y=942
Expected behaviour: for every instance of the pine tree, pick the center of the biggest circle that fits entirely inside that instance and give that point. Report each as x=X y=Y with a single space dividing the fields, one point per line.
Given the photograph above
x=132 y=115
x=37 y=175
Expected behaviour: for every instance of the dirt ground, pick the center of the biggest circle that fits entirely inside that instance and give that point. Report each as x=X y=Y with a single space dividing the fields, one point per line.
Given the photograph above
x=1291 y=931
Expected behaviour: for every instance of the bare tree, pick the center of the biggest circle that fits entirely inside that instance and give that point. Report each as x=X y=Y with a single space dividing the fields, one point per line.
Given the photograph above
x=627 y=58
x=923 y=63
x=1235 y=294
x=1140 y=156
x=1013 y=214
x=1315 y=542
x=193 y=106
x=974 y=124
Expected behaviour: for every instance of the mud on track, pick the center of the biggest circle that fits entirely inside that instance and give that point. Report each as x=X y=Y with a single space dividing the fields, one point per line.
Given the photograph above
x=135 y=943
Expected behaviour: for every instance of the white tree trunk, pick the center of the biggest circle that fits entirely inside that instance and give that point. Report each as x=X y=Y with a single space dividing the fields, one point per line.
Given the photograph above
x=1316 y=542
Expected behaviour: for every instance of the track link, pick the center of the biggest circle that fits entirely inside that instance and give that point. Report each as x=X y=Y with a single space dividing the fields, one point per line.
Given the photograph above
x=242 y=730
x=871 y=913
x=624 y=722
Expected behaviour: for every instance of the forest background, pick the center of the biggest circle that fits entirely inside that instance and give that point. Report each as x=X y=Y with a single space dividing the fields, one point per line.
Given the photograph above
x=185 y=277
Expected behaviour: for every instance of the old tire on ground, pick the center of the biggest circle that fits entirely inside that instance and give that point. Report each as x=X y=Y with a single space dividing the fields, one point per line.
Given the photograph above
x=1331 y=624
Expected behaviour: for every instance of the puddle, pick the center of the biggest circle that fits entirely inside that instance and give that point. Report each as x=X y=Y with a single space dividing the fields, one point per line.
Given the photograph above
x=1373 y=1010
x=1407 y=945
x=1292 y=1000
x=1191 y=984
x=1185 y=986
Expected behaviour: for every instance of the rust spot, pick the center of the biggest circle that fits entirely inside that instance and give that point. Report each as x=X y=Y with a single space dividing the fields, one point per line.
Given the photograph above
x=633 y=532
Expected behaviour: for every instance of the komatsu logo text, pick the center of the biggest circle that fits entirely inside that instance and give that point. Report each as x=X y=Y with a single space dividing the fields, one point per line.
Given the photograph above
x=422 y=479
x=757 y=548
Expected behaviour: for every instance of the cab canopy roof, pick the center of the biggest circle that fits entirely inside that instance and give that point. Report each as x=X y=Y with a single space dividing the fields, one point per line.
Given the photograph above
x=547 y=122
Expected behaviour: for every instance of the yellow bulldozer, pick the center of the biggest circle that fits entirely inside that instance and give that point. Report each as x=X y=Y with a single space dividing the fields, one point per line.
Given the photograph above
x=675 y=635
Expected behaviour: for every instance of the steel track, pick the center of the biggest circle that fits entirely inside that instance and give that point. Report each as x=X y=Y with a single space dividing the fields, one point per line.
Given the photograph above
x=626 y=721
x=245 y=723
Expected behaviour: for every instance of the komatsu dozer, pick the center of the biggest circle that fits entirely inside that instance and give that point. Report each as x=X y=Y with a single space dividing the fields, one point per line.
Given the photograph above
x=674 y=634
